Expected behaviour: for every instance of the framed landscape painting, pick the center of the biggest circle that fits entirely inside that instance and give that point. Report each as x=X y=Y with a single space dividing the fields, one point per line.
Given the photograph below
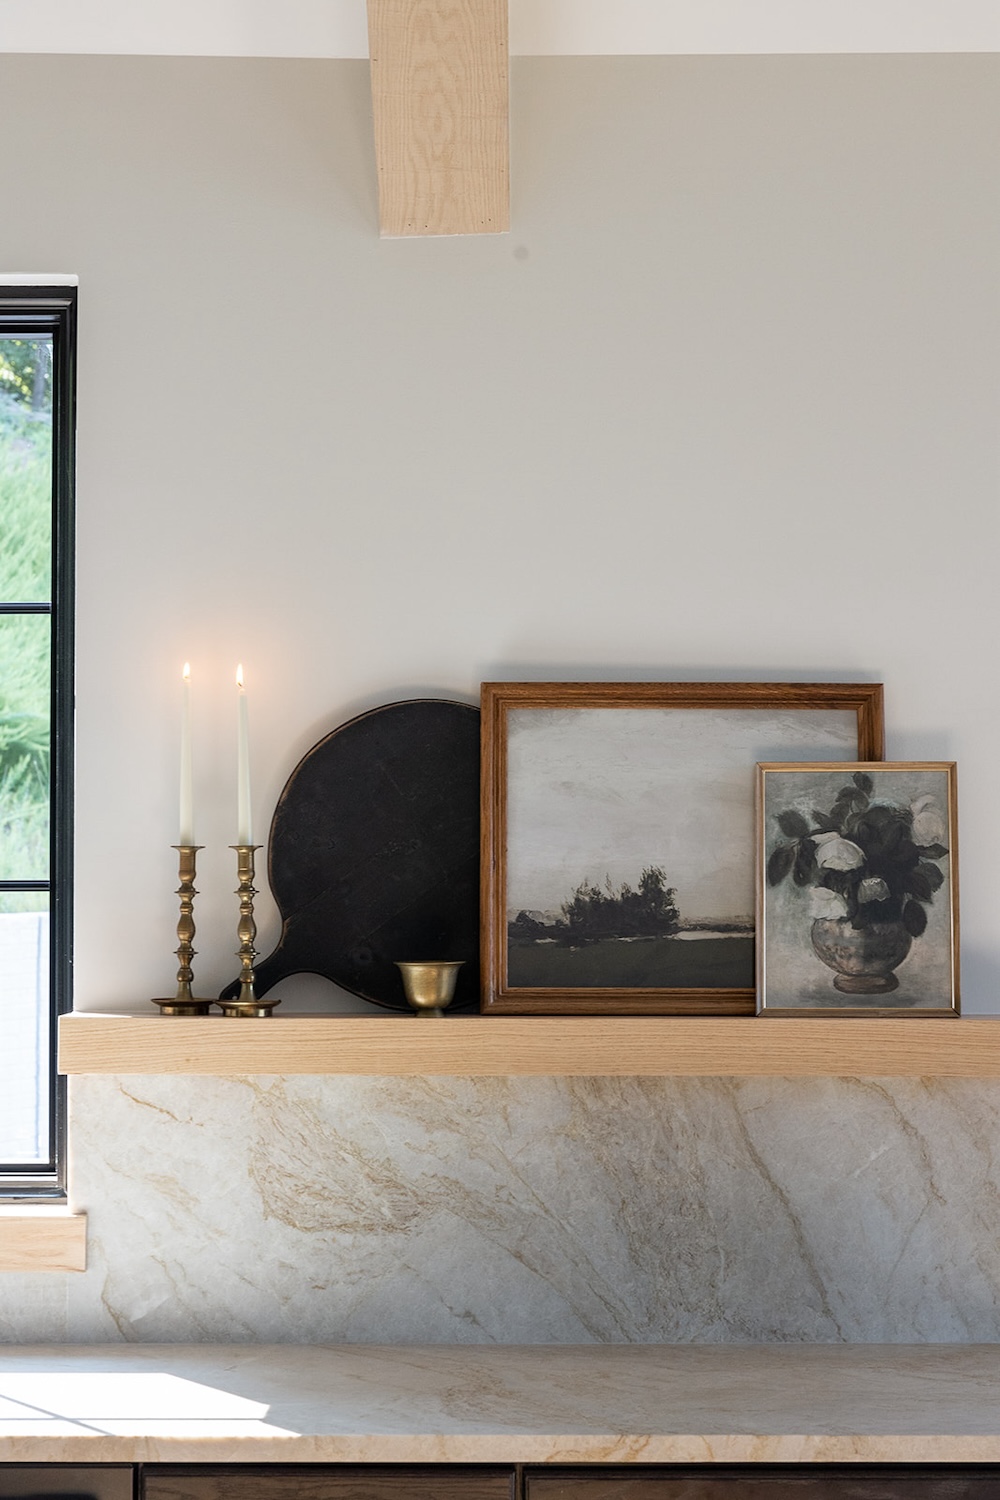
x=857 y=889
x=617 y=870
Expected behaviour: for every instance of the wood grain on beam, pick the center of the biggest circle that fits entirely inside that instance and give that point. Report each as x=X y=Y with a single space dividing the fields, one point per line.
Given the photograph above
x=439 y=90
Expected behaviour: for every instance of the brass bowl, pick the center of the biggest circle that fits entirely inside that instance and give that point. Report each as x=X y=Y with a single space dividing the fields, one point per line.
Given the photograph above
x=430 y=986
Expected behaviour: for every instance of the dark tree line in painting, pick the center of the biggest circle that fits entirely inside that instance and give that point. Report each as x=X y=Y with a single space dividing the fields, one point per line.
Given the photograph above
x=595 y=913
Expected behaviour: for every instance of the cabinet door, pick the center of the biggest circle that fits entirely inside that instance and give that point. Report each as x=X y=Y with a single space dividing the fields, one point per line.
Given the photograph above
x=328 y=1482
x=66 y=1481
x=764 y=1482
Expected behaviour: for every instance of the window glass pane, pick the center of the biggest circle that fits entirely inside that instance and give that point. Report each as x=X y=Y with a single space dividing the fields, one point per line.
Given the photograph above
x=24 y=747
x=25 y=470
x=24 y=1057
x=37 y=423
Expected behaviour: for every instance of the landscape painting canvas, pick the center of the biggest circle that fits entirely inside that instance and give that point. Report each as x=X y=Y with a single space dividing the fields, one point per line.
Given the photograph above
x=624 y=877
x=858 y=889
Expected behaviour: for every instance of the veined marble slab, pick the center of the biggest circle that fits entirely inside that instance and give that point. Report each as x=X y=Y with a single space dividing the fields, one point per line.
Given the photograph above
x=340 y=1210
x=501 y=1403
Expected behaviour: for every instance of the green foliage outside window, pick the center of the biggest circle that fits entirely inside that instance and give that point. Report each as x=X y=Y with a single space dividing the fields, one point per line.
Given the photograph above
x=26 y=372
x=25 y=576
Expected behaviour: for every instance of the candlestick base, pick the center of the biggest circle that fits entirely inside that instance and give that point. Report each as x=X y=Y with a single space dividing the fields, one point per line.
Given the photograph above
x=254 y=1008
x=175 y=1007
x=184 y=1003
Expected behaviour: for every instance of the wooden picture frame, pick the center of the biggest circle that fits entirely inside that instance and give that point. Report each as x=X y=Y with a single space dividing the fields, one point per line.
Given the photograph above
x=857 y=889
x=579 y=778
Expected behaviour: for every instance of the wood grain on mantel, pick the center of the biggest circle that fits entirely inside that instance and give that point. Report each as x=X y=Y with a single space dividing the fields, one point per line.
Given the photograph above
x=498 y=1046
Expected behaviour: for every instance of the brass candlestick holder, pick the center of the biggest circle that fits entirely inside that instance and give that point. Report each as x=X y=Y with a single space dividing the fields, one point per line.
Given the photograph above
x=184 y=1003
x=247 y=1002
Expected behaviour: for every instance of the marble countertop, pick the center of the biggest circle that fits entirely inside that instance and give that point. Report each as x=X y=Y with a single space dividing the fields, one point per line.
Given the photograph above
x=618 y=1403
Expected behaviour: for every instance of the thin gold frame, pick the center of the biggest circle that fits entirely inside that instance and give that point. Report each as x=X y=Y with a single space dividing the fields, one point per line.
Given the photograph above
x=845 y=1008
x=498 y=698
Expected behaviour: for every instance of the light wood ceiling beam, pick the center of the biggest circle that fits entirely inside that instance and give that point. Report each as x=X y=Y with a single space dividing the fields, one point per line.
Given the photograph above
x=440 y=96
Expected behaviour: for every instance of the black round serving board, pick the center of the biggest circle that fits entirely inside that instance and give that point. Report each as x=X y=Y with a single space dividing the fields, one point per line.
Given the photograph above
x=374 y=853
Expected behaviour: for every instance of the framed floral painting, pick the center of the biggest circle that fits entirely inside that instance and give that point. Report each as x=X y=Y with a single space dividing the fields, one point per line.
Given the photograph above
x=617 y=866
x=857 y=889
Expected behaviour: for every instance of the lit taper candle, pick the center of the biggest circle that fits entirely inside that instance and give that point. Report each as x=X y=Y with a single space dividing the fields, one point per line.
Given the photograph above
x=244 y=833
x=186 y=833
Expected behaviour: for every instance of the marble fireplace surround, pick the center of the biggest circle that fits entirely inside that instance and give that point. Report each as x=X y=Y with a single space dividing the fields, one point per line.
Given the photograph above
x=526 y=1211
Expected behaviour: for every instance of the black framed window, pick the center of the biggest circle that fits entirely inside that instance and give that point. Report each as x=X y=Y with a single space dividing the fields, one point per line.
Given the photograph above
x=37 y=430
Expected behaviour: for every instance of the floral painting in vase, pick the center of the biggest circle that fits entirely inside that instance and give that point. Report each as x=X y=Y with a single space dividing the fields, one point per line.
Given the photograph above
x=857 y=888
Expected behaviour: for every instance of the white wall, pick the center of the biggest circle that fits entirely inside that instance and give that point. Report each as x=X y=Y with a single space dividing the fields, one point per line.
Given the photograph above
x=338 y=28
x=722 y=405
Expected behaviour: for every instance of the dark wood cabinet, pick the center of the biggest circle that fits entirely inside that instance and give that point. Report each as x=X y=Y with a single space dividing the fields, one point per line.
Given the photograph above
x=499 y=1482
x=767 y=1482
x=67 y=1481
x=328 y=1482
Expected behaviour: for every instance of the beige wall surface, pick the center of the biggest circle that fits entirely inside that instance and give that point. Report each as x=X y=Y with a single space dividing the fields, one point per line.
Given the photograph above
x=721 y=405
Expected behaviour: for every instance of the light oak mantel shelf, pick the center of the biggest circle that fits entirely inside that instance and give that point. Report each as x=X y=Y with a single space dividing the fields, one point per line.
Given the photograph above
x=495 y=1046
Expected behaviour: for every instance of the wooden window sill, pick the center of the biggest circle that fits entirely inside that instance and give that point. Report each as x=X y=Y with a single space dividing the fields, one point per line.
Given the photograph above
x=42 y=1239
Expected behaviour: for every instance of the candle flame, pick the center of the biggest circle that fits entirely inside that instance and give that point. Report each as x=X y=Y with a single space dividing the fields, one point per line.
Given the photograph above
x=239 y=675
x=186 y=674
